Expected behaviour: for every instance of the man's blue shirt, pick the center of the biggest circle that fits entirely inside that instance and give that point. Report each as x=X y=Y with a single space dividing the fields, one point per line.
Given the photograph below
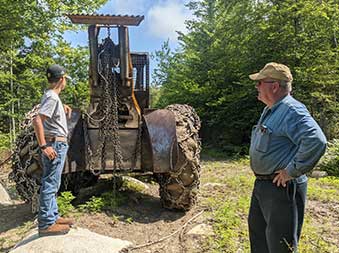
x=286 y=137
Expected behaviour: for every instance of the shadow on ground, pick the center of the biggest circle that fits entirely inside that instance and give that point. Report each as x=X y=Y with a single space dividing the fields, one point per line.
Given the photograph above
x=142 y=207
x=13 y=216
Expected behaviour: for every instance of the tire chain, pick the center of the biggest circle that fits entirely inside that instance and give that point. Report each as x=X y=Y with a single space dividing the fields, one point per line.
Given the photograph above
x=188 y=125
x=26 y=185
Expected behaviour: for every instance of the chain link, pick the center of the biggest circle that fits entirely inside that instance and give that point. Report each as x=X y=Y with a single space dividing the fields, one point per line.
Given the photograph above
x=28 y=186
x=189 y=122
x=109 y=123
x=24 y=153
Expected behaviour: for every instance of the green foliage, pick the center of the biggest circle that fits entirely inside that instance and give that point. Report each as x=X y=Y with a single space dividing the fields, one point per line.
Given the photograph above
x=107 y=201
x=228 y=40
x=64 y=203
x=230 y=200
x=129 y=220
x=94 y=205
x=31 y=38
x=228 y=228
x=155 y=96
x=213 y=153
x=324 y=189
x=330 y=161
x=313 y=237
x=112 y=201
x=4 y=142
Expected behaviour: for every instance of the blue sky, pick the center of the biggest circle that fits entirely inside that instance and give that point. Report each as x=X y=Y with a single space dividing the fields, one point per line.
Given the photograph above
x=162 y=19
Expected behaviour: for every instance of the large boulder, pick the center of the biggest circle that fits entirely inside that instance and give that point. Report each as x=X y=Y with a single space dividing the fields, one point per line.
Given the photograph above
x=78 y=240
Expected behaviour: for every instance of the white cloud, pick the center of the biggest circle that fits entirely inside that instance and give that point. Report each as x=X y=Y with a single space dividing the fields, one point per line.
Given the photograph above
x=167 y=17
x=126 y=7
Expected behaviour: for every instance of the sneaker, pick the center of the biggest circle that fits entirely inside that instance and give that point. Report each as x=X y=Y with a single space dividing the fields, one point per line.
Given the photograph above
x=55 y=229
x=64 y=221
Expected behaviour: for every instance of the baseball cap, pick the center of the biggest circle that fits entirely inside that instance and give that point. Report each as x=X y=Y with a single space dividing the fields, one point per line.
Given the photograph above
x=56 y=71
x=275 y=71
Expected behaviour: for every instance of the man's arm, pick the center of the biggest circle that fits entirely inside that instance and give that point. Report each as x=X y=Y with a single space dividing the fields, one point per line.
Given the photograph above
x=311 y=143
x=304 y=132
x=39 y=133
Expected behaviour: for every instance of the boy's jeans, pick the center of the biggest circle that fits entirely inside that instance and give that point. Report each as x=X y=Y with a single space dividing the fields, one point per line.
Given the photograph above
x=50 y=184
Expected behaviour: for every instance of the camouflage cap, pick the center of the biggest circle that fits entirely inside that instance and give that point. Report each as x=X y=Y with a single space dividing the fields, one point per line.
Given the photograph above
x=273 y=70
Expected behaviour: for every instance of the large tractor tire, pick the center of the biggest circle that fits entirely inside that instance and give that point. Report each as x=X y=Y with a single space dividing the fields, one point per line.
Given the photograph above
x=26 y=165
x=178 y=189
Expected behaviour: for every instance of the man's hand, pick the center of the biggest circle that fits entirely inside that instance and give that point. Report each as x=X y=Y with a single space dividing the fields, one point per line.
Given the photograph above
x=50 y=153
x=281 y=178
x=68 y=111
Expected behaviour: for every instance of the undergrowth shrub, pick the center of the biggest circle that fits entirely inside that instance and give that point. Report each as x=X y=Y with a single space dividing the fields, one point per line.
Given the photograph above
x=64 y=203
x=330 y=161
x=94 y=205
x=4 y=142
x=107 y=201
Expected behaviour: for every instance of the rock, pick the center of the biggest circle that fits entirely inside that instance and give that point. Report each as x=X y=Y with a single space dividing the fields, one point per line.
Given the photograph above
x=78 y=240
x=319 y=174
x=212 y=185
x=202 y=229
x=136 y=181
x=5 y=199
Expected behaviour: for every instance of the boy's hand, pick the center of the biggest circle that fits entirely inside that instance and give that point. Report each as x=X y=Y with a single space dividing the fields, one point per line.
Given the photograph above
x=68 y=111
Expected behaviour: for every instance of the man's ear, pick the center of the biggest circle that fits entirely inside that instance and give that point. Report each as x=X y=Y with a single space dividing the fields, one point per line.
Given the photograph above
x=276 y=87
x=59 y=82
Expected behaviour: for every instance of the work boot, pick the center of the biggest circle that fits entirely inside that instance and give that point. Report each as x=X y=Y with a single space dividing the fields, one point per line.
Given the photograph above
x=64 y=221
x=55 y=229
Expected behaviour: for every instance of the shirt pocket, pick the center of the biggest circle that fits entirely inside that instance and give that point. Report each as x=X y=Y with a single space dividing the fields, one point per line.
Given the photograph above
x=264 y=138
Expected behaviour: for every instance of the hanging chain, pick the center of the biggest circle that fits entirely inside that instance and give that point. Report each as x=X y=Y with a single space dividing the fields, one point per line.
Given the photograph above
x=108 y=32
x=109 y=123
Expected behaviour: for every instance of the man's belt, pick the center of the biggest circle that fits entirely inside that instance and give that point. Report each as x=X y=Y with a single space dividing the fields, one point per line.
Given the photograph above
x=56 y=138
x=265 y=177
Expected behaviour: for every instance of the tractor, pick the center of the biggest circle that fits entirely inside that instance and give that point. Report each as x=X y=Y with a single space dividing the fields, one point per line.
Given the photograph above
x=118 y=133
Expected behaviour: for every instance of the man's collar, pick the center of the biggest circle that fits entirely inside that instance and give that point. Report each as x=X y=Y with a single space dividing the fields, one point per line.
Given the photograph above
x=280 y=101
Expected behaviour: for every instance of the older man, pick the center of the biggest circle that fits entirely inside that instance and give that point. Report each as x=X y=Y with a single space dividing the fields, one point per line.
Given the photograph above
x=286 y=143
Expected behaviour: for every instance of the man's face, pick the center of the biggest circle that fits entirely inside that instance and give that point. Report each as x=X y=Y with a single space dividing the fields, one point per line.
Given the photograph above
x=265 y=88
x=64 y=81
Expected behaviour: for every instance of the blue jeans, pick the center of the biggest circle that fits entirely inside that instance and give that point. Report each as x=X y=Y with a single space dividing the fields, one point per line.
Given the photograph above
x=50 y=184
x=276 y=216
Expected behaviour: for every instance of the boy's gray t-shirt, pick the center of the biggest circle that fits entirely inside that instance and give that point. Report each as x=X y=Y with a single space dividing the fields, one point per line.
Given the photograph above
x=56 y=122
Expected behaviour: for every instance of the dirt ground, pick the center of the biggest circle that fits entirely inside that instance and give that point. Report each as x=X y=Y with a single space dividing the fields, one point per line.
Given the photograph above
x=140 y=220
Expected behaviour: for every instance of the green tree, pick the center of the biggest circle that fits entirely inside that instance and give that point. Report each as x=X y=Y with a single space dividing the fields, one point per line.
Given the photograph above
x=31 y=38
x=227 y=40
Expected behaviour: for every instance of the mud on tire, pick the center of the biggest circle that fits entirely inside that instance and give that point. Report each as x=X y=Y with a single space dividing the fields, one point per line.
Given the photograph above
x=178 y=189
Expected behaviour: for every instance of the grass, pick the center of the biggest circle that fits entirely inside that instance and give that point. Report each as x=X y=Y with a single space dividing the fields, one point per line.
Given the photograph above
x=324 y=189
x=313 y=237
x=230 y=201
x=106 y=201
x=227 y=200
